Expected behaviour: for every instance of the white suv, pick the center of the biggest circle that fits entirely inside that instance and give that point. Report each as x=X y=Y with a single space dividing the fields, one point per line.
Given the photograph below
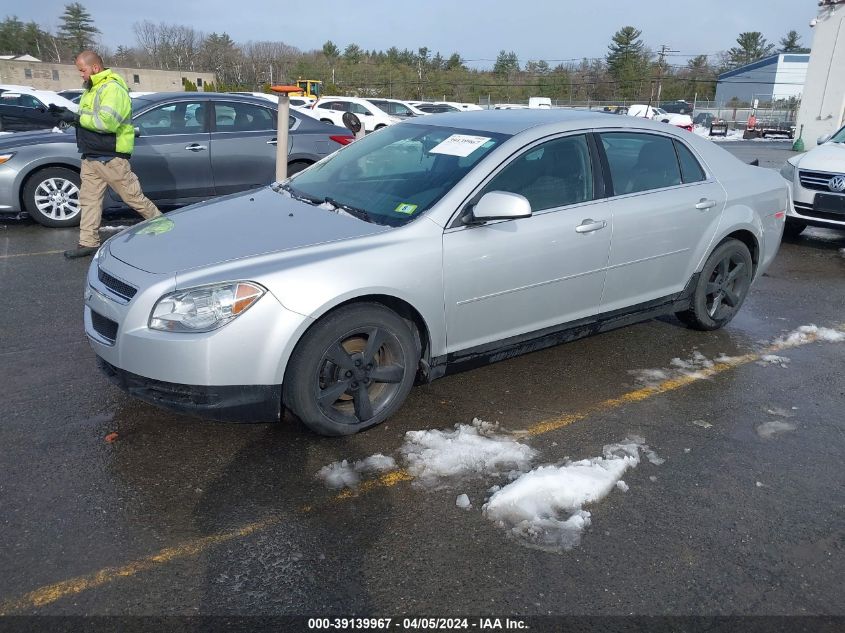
x=331 y=109
x=817 y=184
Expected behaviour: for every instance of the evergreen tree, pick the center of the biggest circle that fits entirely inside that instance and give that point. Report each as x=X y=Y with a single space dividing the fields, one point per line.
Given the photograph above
x=628 y=62
x=791 y=43
x=77 y=28
x=506 y=64
x=330 y=50
x=752 y=47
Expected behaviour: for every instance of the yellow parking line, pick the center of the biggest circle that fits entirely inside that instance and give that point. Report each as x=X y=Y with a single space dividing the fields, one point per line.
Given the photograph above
x=51 y=593
x=30 y=254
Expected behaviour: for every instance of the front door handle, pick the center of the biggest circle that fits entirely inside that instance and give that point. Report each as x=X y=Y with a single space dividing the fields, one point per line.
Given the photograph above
x=589 y=225
x=196 y=147
x=705 y=203
x=272 y=141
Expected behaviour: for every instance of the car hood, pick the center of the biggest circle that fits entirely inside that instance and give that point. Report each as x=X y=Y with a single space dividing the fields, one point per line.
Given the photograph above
x=234 y=227
x=36 y=137
x=829 y=157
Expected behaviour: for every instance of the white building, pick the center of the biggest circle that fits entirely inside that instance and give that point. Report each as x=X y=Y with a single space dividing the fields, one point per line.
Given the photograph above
x=823 y=104
x=776 y=77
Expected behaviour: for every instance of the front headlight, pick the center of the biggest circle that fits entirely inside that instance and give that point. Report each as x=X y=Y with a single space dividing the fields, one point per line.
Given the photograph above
x=788 y=171
x=204 y=308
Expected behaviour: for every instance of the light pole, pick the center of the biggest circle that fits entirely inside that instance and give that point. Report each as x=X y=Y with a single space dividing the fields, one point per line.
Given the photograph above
x=282 y=130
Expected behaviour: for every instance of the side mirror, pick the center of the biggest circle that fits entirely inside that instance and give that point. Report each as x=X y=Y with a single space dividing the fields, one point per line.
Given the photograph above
x=137 y=131
x=352 y=122
x=823 y=139
x=499 y=205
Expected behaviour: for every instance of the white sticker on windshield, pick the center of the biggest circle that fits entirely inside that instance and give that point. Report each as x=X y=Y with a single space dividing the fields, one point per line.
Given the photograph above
x=459 y=145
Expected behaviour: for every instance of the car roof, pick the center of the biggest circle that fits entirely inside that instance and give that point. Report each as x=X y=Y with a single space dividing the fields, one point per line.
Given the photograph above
x=515 y=121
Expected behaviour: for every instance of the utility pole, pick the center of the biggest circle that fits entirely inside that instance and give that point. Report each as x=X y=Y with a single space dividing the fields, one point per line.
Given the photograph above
x=664 y=49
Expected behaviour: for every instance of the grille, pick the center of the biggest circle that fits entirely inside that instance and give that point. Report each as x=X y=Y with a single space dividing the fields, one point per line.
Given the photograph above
x=816 y=180
x=103 y=326
x=120 y=288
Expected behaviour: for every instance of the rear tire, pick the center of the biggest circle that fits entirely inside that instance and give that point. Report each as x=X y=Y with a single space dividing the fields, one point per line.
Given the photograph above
x=793 y=228
x=721 y=287
x=297 y=166
x=352 y=370
x=51 y=197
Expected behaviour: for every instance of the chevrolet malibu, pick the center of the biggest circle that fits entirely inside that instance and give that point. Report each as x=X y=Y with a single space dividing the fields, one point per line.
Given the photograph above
x=427 y=247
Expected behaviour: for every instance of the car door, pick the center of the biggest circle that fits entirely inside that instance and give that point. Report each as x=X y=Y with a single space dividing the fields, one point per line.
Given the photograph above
x=243 y=145
x=171 y=156
x=507 y=278
x=665 y=214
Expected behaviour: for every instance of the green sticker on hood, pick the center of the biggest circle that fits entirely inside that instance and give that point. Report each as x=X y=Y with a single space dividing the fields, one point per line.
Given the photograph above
x=156 y=226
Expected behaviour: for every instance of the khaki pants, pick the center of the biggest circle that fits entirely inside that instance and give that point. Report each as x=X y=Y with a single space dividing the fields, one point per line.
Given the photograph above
x=96 y=176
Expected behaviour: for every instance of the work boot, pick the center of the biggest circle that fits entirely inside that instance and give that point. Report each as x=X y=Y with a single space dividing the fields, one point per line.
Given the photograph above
x=81 y=251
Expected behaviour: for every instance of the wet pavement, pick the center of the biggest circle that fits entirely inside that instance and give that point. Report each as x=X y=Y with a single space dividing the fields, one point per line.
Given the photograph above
x=176 y=515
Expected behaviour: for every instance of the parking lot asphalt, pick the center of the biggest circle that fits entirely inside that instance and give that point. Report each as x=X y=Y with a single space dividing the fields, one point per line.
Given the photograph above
x=179 y=516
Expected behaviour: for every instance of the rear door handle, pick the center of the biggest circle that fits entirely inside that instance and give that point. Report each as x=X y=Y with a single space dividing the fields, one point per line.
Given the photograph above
x=272 y=141
x=589 y=225
x=196 y=147
x=704 y=203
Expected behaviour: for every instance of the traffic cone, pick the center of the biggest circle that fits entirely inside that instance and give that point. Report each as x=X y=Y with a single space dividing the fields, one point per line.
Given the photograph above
x=798 y=145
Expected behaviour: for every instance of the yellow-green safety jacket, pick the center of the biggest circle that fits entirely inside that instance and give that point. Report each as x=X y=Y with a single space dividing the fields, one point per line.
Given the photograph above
x=105 y=118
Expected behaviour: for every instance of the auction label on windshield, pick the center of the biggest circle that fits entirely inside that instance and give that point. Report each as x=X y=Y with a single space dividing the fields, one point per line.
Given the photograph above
x=459 y=145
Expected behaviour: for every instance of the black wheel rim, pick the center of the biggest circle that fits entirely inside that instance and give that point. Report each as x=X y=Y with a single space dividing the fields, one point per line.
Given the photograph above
x=726 y=286
x=359 y=375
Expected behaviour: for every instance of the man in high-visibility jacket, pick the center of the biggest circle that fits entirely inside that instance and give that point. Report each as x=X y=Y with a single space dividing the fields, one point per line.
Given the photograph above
x=105 y=137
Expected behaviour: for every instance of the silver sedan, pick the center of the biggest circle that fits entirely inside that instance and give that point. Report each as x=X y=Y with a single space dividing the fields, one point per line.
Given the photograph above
x=430 y=246
x=188 y=147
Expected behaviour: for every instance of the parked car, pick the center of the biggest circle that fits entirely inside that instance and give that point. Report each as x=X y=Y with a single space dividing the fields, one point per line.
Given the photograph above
x=677 y=107
x=659 y=114
x=331 y=110
x=434 y=108
x=72 y=94
x=437 y=243
x=24 y=108
x=396 y=107
x=817 y=183
x=188 y=147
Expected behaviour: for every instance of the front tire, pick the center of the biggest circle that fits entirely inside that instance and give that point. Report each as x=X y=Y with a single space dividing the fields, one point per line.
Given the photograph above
x=721 y=287
x=51 y=197
x=297 y=166
x=352 y=370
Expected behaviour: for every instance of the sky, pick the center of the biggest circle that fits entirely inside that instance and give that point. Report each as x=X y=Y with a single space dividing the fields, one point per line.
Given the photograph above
x=540 y=500
x=553 y=30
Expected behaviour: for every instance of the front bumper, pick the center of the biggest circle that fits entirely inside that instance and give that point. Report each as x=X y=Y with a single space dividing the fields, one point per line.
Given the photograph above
x=804 y=206
x=230 y=403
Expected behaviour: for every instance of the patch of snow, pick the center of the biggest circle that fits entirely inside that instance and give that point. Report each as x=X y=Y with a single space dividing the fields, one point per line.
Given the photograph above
x=768 y=430
x=808 y=333
x=622 y=486
x=345 y=475
x=772 y=359
x=469 y=450
x=544 y=508
x=462 y=501
x=702 y=423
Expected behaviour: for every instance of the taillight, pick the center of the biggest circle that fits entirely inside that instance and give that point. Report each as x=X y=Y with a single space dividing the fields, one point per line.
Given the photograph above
x=342 y=139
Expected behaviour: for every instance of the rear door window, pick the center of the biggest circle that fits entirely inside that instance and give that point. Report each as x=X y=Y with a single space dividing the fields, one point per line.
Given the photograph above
x=640 y=162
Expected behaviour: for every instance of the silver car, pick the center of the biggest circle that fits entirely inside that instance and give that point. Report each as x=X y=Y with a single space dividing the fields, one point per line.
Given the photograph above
x=190 y=146
x=435 y=244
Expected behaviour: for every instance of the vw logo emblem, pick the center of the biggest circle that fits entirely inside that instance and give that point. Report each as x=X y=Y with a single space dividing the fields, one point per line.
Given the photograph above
x=836 y=184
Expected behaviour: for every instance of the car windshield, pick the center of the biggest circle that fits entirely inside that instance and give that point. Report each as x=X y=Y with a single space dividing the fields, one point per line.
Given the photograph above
x=394 y=175
x=839 y=137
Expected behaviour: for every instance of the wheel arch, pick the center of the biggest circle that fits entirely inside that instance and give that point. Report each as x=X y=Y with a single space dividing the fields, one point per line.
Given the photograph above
x=750 y=240
x=404 y=309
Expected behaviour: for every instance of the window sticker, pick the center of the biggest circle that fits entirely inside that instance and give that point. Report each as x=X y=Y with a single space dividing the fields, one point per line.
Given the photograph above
x=459 y=145
x=406 y=208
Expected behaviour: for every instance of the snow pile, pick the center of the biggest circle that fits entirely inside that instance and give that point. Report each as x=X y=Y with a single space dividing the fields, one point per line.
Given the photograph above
x=544 y=508
x=345 y=475
x=469 y=450
x=771 y=359
x=808 y=333
x=768 y=430
x=692 y=367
